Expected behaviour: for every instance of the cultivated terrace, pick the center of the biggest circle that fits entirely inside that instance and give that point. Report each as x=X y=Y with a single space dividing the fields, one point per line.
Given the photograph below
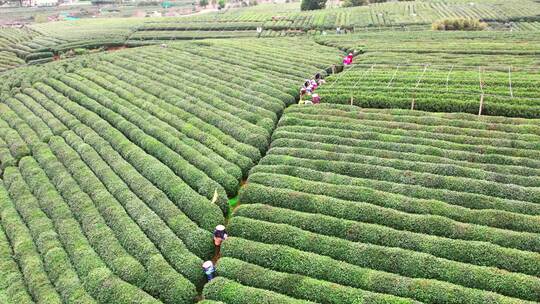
x=125 y=142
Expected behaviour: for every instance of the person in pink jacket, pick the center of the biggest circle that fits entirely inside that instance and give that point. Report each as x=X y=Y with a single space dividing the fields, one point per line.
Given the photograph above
x=348 y=60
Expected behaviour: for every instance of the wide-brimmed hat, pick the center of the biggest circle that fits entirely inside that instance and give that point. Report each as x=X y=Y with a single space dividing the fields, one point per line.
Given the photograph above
x=220 y=227
x=207 y=264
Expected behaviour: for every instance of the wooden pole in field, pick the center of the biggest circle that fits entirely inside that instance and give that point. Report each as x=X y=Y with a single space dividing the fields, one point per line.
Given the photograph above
x=362 y=77
x=421 y=76
x=393 y=76
x=448 y=77
x=480 y=71
x=481 y=104
x=416 y=87
x=510 y=81
x=358 y=81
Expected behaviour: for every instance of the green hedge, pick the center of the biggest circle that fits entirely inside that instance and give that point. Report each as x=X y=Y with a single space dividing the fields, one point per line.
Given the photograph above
x=192 y=177
x=16 y=145
x=506 y=173
x=374 y=141
x=6 y=159
x=419 y=165
x=442 y=133
x=192 y=204
x=380 y=193
x=370 y=134
x=101 y=236
x=435 y=104
x=133 y=102
x=56 y=261
x=12 y=280
x=477 y=253
x=40 y=61
x=55 y=125
x=428 y=180
x=196 y=239
x=76 y=239
x=228 y=291
x=42 y=130
x=146 y=231
x=363 y=212
x=10 y=120
x=195 y=127
x=455 y=123
x=25 y=251
x=235 y=102
x=163 y=87
x=192 y=164
x=38 y=55
x=285 y=259
x=404 y=262
x=299 y=286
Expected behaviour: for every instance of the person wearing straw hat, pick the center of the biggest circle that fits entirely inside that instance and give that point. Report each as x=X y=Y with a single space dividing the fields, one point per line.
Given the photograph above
x=209 y=270
x=219 y=235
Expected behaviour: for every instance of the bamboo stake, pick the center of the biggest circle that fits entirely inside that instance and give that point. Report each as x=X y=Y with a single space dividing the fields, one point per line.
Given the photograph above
x=480 y=71
x=417 y=84
x=421 y=76
x=362 y=77
x=510 y=81
x=481 y=104
x=341 y=75
x=448 y=77
x=393 y=76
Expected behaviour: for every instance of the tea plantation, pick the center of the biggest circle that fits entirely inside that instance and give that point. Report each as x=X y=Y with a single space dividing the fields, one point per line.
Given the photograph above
x=124 y=142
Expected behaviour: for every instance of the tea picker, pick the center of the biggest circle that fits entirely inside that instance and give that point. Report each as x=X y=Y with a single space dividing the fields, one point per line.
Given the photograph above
x=209 y=270
x=220 y=234
x=348 y=60
x=316 y=99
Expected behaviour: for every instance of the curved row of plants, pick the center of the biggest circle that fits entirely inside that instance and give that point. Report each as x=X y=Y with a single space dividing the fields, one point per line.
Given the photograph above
x=342 y=189
x=438 y=90
x=115 y=171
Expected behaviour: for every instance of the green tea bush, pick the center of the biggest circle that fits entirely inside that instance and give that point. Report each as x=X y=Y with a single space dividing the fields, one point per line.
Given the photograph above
x=228 y=291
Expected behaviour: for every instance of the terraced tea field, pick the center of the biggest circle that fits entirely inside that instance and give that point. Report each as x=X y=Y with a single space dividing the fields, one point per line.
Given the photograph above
x=438 y=89
x=116 y=171
x=388 y=206
x=416 y=180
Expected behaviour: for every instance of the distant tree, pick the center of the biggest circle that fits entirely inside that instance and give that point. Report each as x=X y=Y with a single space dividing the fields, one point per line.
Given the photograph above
x=350 y=3
x=221 y=4
x=309 y=5
x=203 y=3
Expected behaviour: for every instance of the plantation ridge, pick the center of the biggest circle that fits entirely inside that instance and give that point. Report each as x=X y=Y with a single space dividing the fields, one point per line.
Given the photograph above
x=236 y=152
